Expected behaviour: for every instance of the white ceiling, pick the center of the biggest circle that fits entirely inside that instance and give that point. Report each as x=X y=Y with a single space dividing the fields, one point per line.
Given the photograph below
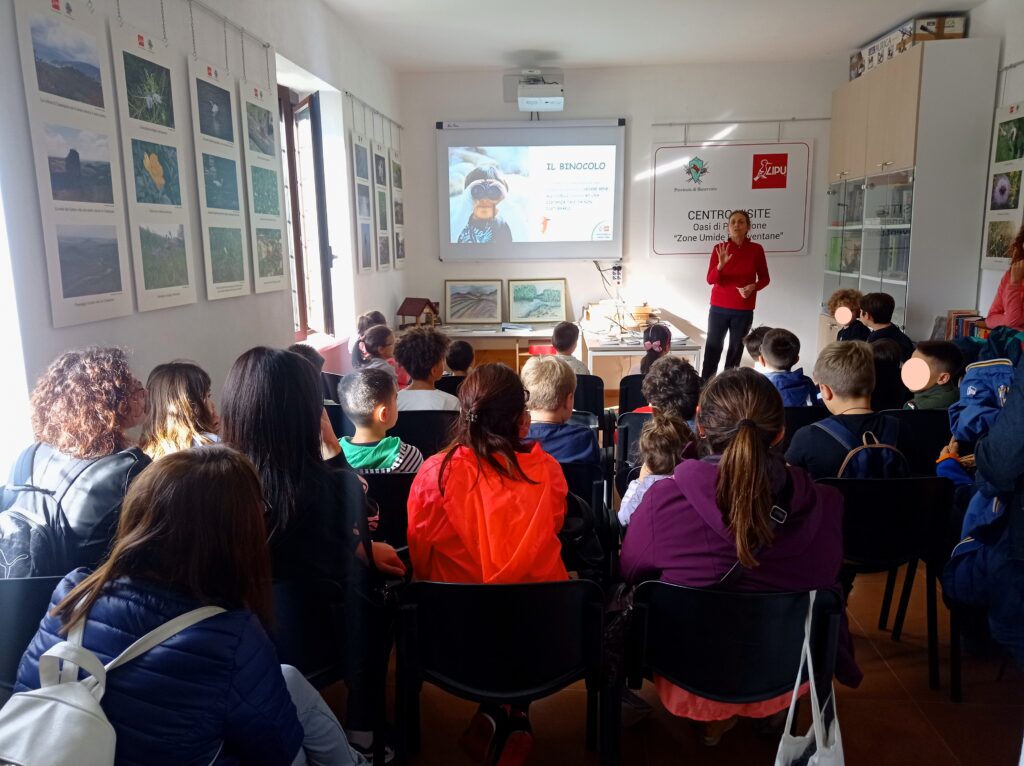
x=423 y=35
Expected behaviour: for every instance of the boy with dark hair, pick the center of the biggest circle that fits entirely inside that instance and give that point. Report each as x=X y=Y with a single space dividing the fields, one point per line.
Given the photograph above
x=368 y=397
x=845 y=373
x=876 y=310
x=459 y=358
x=564 y=338
x=752 y=342
x=421 y=352
x=945 y=366
x=780 y=350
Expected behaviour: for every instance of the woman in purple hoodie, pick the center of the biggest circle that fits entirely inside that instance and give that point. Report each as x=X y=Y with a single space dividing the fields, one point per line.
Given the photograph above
x=691 y=530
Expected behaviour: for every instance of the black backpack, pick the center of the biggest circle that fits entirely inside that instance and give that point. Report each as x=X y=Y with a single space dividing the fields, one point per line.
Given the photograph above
x=870 y=456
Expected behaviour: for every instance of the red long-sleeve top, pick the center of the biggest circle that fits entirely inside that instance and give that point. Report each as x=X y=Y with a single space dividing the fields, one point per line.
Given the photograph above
x=746 y=266
x=1007 y=309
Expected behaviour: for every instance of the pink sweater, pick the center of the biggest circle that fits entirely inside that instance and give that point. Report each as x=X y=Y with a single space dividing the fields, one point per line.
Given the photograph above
x=1007 y=309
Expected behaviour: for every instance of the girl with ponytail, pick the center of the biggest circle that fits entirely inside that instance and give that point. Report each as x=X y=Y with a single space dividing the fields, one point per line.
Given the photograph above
x=657 y=343
x=715 y=514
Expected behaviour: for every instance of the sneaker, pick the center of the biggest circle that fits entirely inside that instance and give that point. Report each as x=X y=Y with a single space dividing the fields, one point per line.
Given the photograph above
x=478 y=738
x=367 y=751
x=634 y=708
x=518 y=741
x=713 y=730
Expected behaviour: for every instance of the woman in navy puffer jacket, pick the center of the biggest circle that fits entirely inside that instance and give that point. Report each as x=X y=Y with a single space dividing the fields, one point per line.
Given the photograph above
x=192 y=534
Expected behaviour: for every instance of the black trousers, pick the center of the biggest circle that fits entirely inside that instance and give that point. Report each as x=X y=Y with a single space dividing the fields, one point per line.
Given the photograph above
x=737 y=323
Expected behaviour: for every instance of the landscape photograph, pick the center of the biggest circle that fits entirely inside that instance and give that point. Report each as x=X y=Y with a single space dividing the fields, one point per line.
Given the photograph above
x=264 y=191
x=261 y=128
x=472 y=301
x=220 y=179
x=226 y=259
x=79 y=164
x=362 y=161
x=67 y=61
x=399 y=213
x=214 y=107
x=269 y=254
x=148 y=88
x=164 y=262
x=89 y=263
x=155 y=168
x=363 y=200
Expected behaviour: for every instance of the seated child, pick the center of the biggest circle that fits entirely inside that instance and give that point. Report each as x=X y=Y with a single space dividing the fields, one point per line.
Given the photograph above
x=944 y=363
x=848 y=298
x=752 y=342
x=780 y=350
x=845 y=373
x=368 y=398
x=421 y=352
x=564 y=338
x=889 y=393
x=459 y=358
x=363 y=323
x=551 y=385
x=378 y=347
x=876 y=311
x=657 y=343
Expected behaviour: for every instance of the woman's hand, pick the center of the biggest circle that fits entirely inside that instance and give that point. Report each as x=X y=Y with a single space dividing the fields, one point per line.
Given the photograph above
x=329 y=444
x=950 y=450
x=722 y=251
x=747 y=290
x=386 y=559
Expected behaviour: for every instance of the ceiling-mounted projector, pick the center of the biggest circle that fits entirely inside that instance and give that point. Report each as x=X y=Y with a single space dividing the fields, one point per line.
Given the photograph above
x=539 y=95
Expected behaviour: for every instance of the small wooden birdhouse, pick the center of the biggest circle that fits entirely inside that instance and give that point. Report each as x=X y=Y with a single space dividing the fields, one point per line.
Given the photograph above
x=423 y=311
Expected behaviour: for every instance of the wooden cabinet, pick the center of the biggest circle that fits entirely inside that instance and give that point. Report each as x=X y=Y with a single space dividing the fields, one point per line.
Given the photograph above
x=849 y=124
x=893 y=93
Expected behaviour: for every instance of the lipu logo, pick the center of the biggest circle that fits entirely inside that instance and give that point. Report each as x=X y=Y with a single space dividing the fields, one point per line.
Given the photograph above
x=55 y=4
x=769 y=171
x=142 y=41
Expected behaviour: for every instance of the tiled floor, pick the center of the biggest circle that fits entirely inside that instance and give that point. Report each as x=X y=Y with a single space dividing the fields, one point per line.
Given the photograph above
x=893 y=719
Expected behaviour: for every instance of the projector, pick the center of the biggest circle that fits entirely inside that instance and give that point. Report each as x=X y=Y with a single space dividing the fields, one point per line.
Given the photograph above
x=541 y=96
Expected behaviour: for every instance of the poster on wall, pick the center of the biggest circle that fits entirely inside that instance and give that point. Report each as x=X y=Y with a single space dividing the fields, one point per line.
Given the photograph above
x=261 y=143
x=1003 y=208
x=153 y=135
x=219 y=171
x=366 y=238
x=397 y=208
x=696 y=187
x=382 y=205
x=69 y=94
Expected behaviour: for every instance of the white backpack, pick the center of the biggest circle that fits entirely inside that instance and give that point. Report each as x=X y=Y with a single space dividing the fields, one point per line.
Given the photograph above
x=62 y=722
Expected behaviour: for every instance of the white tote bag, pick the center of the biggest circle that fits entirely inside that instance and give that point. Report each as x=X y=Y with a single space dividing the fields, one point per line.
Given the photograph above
x=818 y=747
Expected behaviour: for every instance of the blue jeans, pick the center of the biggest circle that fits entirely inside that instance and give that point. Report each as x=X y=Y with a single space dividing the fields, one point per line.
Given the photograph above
x=324 y=742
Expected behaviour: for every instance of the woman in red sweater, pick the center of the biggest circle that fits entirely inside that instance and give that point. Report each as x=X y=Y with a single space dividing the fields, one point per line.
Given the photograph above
x=738 y=270
x=1008 y=306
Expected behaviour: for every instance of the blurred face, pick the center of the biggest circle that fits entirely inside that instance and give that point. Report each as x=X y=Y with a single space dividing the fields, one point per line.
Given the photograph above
x=211 y=407
x=388 y=351
x=136 y=405
x=738 y=227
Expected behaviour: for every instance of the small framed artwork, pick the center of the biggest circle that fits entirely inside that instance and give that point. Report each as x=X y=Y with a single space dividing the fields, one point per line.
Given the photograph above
x=360 y=158
x=472 y=301
x=536 y=300
x=365 y=246
x=383 y=253
x=396 y=170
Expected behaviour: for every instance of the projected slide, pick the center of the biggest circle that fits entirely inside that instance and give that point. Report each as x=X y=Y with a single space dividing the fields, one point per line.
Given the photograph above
x=499 y=195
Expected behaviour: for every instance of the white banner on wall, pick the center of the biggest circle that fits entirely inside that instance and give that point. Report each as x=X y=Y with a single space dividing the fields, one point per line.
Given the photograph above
x=262 y=144
x=153 y=131
x=219 y=170
x=65 y=61
x=1003 y=208
x=696 y=187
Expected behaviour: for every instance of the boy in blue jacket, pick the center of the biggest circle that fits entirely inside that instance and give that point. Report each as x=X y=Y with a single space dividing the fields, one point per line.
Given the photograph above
x=780 y=350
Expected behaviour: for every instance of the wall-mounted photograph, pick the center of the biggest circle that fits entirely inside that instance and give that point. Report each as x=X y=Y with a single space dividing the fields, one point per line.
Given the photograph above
x=470 y=301
x=399 y=247
x=226 y=258
x=1010 y=140
x=363 y=200
x=269 y=253
x=265 y=197
x=383 y=253
x=380 y=169
x=89 y=262
x=361 y=159
x=1005 y=191
x=79 y=163
x=1000 y=237
x=382 y=212
x=67 y=61
x=155 y=167
x=396 y=174
x=148 y=87
x=213 y=105
x=536 y=300
x=365 y=247
x=261 y=128
x=399 y=213
x=220 y=179
x=164 y=263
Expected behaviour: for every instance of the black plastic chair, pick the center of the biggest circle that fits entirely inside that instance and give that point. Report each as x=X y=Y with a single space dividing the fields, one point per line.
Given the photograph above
x=797 y=418
x=331 y=381
x=630 y=424
x=505 y=645
x=449 y=384
x=928 y=432
x=590 y=394
x=630 y=394
x=891 y=522
x=428 y=430
x=391 y=493
x=586 y=481
x=23 y=604
x=339 y=420
x=728 y=646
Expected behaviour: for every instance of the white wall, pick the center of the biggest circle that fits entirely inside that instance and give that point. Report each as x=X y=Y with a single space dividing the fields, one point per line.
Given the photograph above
x=643 y=95
x=212 y=333
x=1004 y=20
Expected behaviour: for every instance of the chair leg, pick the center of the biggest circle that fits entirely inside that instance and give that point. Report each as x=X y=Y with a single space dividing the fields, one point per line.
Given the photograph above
x=611 y=724
x=592 y=719
x=931 y=576
x=890 y=586
x=955 y=668
x=901 y=610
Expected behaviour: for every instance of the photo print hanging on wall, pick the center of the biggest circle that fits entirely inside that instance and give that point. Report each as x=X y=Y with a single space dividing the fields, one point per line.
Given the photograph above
x=397 y=207
x=366 y=239
x=382 y=206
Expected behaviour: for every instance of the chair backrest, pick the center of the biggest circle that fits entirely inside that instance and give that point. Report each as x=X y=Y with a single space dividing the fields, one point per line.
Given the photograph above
x=331 y=381
x=630 y=424
x=391 y=493
x=449 y=384
x=728 y=646
x=427 y=430
x=589 y=394
x=630 y=394
x=23 y=604
x=797 y=418
x=339 y=421
x=309 y=629
x=926 y=432
x=507 y=644
x=888 y=522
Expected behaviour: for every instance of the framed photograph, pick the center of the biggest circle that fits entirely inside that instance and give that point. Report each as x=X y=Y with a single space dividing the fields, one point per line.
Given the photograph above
x=360 y=158
x=536 y=300
x=472 y=301
x=383 y=253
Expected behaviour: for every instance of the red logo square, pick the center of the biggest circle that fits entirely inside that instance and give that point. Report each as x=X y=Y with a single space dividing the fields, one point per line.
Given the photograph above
x=769 y=171
x=142 y=41
x=55 y=4
x=209 y=71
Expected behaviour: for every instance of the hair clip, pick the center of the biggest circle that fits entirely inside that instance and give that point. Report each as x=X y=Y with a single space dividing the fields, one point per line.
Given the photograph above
x=470 y=416
x=656 y=346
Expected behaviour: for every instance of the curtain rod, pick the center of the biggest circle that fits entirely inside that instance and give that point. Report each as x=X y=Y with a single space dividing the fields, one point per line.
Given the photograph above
x=373 y=109
x=218 y=15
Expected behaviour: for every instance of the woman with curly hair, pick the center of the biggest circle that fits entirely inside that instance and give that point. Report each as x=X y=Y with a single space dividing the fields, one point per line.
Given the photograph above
x=180 y=412
x=69 y=485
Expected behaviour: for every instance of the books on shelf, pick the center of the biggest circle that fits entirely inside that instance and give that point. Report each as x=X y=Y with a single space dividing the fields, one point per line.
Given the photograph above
x=965 y=323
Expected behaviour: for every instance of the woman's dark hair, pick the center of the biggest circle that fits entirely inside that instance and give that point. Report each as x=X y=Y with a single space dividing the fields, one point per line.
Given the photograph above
x=310 y=354
x=374 y=340
x=672 y=387
x=82 y=403
x=658 y=335
x=192 y=521
x=493 y=401
x=270 y=411
x=363 y=323
x=741 y=413
x=743 y=213
x=177 y=413
x=420 y=350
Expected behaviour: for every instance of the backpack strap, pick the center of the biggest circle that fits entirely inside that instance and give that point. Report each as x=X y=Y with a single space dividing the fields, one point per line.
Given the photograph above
x=158 y=635
x=839 y=432
x=52 y=673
